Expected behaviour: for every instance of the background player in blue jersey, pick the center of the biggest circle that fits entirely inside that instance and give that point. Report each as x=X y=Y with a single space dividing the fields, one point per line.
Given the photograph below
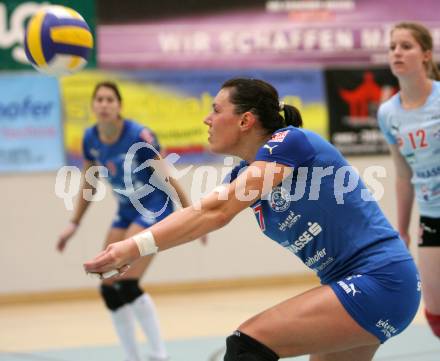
x=309 y=200
x=410 y=121
x=109 y=143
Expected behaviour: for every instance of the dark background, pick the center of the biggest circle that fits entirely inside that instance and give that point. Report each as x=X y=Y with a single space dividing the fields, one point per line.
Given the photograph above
x=117 y=11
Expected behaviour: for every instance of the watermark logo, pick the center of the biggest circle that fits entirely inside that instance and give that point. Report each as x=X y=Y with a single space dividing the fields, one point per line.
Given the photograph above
x=158 y=180
x=133 y=188
x=68 y=180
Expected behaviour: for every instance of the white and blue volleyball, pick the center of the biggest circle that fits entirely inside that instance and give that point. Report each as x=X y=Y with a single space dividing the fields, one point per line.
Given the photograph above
x=58 y=41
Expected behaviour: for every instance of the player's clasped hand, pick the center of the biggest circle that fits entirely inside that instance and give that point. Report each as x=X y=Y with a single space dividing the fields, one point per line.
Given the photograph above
x=116 y=257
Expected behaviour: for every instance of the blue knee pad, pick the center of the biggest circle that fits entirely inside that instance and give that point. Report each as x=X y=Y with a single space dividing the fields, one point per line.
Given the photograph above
x=241 y=347
x=128 y=290
x=111 y=297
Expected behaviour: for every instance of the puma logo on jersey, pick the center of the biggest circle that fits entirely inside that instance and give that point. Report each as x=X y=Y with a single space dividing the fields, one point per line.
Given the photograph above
x=270 y=148
x=353 y=289
x=349 y=288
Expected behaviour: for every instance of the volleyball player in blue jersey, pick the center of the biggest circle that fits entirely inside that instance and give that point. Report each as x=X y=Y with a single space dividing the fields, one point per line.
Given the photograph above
x=117 y=143
x=308 y=199
x=410 y=121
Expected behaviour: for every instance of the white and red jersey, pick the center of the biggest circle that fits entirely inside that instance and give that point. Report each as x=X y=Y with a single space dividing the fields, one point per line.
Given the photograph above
x=417 y=132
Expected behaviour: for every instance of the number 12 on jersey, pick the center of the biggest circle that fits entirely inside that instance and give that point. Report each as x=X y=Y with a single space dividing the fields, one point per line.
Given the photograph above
x=417 y=139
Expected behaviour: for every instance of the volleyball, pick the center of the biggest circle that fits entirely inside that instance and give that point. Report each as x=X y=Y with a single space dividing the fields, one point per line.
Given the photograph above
x=58 y=40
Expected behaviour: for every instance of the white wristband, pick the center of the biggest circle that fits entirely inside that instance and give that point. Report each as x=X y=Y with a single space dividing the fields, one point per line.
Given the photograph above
x=146 y=243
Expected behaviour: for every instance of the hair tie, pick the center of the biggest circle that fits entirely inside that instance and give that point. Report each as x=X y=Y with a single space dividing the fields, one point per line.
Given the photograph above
x=281 y=105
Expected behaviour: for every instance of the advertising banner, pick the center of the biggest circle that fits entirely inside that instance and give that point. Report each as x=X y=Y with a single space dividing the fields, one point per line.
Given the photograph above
x=30 y=124
x=174 y=103
x=280 y=34
x=14 y=15
x=353 y=98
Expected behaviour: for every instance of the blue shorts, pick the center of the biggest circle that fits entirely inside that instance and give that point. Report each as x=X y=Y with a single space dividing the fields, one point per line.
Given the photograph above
x=127 y=215
x=383 y=301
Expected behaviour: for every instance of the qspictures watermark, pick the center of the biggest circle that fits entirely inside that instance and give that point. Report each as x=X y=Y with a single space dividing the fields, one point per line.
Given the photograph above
x=303 y=182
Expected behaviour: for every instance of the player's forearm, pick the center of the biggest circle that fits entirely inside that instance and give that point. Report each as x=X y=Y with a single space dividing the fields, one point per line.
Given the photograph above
x=85 y=195
x=180 y=193
x=213 y=212
x=80 y=208
x=219 y=207
x=186 y=225
x=405 y=198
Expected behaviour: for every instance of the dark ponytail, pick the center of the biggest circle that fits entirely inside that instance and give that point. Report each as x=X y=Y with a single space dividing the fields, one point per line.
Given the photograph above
x=261 y=99
x=292 y=116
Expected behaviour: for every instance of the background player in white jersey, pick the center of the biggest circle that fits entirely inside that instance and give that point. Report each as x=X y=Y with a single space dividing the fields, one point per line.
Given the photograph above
x=410 y=122
x=108 y=143
x=370 y=289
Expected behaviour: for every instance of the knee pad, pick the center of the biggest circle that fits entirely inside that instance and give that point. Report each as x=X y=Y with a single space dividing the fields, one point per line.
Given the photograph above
x=111 y=297
x=128 y=290
x=428 y=232
x=434 y=322
x=241 y=347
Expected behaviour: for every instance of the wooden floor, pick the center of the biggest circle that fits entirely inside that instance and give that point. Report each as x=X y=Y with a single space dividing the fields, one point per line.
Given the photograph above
x=46 y=325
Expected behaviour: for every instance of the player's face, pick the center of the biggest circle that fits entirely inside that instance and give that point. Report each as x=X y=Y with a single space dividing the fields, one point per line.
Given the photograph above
x=106 y=105
x=406 y=57
x=223 y=123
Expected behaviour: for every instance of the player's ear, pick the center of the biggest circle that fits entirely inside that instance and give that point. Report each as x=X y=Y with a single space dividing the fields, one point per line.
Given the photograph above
x=247 y=120
x=427 y=56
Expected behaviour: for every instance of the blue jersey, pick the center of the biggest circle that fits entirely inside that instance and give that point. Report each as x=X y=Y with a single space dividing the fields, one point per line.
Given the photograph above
x=417 y=132
x=114 y=156
x=334 y=233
